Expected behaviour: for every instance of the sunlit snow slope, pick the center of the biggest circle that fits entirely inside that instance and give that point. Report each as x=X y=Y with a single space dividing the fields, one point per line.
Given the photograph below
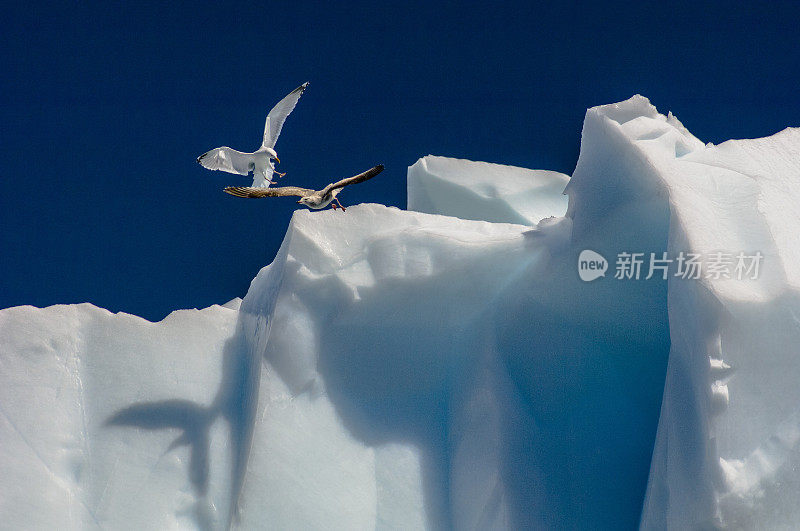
x=729 y=436
x=446 y=367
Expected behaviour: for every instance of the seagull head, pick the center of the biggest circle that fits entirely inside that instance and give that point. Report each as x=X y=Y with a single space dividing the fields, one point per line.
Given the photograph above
x=272 y=154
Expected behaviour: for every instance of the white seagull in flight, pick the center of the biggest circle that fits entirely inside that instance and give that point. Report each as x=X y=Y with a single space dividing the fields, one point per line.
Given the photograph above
x=315 y=199
x=260 y=162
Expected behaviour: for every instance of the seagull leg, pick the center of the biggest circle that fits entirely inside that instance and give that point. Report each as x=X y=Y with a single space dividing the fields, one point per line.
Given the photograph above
x=338 y=203
x=264 y=175
x=333 y=206
x=279 y=174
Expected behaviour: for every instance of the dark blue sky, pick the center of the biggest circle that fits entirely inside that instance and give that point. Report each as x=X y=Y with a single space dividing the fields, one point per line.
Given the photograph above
x=104 y=111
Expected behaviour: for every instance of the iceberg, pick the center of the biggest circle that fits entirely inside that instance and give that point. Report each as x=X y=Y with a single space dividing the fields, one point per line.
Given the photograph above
x=448 y=366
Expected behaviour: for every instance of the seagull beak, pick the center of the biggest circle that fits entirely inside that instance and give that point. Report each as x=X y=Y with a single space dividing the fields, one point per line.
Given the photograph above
x=276 y=158
x=299 y=201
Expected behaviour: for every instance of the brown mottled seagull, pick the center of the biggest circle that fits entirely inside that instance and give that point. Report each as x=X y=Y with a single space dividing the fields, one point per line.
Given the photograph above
x=315 y=199
x=260 y=161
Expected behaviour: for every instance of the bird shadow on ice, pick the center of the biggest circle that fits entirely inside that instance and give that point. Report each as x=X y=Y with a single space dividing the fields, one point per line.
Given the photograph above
x=234 y=403
x=193 y=420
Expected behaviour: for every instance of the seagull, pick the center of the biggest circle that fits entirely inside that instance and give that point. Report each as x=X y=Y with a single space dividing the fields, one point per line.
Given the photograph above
x=315 y=199
x=260 y=162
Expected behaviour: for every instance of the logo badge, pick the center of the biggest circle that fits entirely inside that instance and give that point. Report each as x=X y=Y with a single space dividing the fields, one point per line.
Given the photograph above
x=591 y=265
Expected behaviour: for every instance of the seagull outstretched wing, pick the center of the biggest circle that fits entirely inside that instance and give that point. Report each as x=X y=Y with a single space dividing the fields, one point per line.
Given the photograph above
x=251 y=192
x=360 y=178
x=227 y=159
x=278 y=114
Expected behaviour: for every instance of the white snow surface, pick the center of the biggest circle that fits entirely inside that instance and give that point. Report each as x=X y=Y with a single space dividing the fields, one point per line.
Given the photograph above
x=484 y=191
x=445 y=367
